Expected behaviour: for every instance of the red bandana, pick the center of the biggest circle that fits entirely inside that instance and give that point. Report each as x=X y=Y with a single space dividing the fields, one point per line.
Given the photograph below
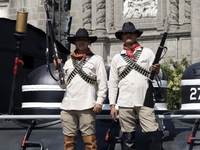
x=129 y=51
x=77 y=55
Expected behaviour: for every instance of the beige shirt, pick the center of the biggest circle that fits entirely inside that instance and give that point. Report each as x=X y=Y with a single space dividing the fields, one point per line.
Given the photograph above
x=81 y=95
x=132 y=88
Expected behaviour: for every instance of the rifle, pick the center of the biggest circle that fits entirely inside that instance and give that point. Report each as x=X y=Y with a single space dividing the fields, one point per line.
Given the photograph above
x=54 y=46
x=149 y=94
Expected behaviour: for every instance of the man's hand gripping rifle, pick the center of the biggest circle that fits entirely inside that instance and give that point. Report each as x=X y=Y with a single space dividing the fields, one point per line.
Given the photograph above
x=149 y=94
x=54 y=46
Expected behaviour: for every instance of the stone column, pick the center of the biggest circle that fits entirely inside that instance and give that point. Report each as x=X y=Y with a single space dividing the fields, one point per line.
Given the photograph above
x=100 y=15
x=174 y=11
x=111 y=20
x=187 y=11
x=100 y=46
x=195 y=30
x=87 y=15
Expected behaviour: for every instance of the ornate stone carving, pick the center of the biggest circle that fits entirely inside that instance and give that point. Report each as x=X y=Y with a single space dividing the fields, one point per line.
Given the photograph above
x=110 y=15
x=139 y=9
x=149 y=19
x=100 y=14
x=87 y=14
x=174 y=11
x=188 y=2
x=111 y=22
x=187 y=12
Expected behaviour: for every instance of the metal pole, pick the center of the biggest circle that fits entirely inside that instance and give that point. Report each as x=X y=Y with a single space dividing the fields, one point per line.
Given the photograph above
x=186 y=117
x=19 y=38
x=10 y=117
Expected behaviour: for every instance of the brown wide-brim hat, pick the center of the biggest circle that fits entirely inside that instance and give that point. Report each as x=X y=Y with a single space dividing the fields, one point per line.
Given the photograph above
x=127 y=27
x=81 y=33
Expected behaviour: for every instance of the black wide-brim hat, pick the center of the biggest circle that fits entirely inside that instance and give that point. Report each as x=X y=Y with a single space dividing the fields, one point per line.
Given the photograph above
x=127 y=27
x=82 y=33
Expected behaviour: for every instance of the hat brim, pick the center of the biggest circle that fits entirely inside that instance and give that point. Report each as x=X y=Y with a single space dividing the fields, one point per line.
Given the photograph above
x=72 y=39
x=120 y=32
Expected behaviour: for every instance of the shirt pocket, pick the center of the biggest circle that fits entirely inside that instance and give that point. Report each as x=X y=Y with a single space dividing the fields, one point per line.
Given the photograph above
x=144 y=63
x=89 y=69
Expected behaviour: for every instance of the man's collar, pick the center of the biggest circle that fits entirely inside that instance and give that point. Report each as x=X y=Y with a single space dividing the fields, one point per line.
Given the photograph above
x=124 y=51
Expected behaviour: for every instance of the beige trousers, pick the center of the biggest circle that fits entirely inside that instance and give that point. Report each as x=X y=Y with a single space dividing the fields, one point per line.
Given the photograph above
x=146 y=115
x=72 y=119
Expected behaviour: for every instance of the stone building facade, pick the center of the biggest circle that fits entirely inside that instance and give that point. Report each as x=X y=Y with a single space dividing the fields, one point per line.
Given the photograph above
x=104 y=17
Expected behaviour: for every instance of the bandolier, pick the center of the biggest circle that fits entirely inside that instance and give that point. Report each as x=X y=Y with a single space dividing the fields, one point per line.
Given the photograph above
x=78 y=64
x=133 y=65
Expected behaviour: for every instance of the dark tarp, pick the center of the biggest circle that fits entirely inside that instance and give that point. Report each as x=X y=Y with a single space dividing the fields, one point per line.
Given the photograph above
x=32 y=52
x=35 y=39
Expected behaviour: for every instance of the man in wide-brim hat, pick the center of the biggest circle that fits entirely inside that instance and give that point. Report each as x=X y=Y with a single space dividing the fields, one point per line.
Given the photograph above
x=82 y=33
x=129 y=71
x=84 y=74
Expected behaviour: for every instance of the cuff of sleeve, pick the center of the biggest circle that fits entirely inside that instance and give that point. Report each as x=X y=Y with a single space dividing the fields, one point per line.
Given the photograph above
x=112 y=102
x=56 y=73
x=99 y=101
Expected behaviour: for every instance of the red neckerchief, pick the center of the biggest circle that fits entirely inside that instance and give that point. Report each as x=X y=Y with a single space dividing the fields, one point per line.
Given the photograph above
x=129 y=51
x=75 y=54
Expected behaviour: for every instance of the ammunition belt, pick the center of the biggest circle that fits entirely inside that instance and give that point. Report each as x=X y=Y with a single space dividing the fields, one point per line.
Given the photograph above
x=133 y=65
x=87 y=78
x=78 y=69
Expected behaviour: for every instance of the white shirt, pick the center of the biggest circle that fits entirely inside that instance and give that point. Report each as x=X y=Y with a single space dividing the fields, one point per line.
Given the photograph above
x=81 y=95
x=132 y=88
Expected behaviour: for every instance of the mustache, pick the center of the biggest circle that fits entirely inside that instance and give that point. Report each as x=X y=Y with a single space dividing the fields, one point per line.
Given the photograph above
x=81 y=44
x=128 y=38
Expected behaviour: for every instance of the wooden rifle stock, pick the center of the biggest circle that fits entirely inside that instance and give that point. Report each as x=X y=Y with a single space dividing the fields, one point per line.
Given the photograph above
x=54 y=47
